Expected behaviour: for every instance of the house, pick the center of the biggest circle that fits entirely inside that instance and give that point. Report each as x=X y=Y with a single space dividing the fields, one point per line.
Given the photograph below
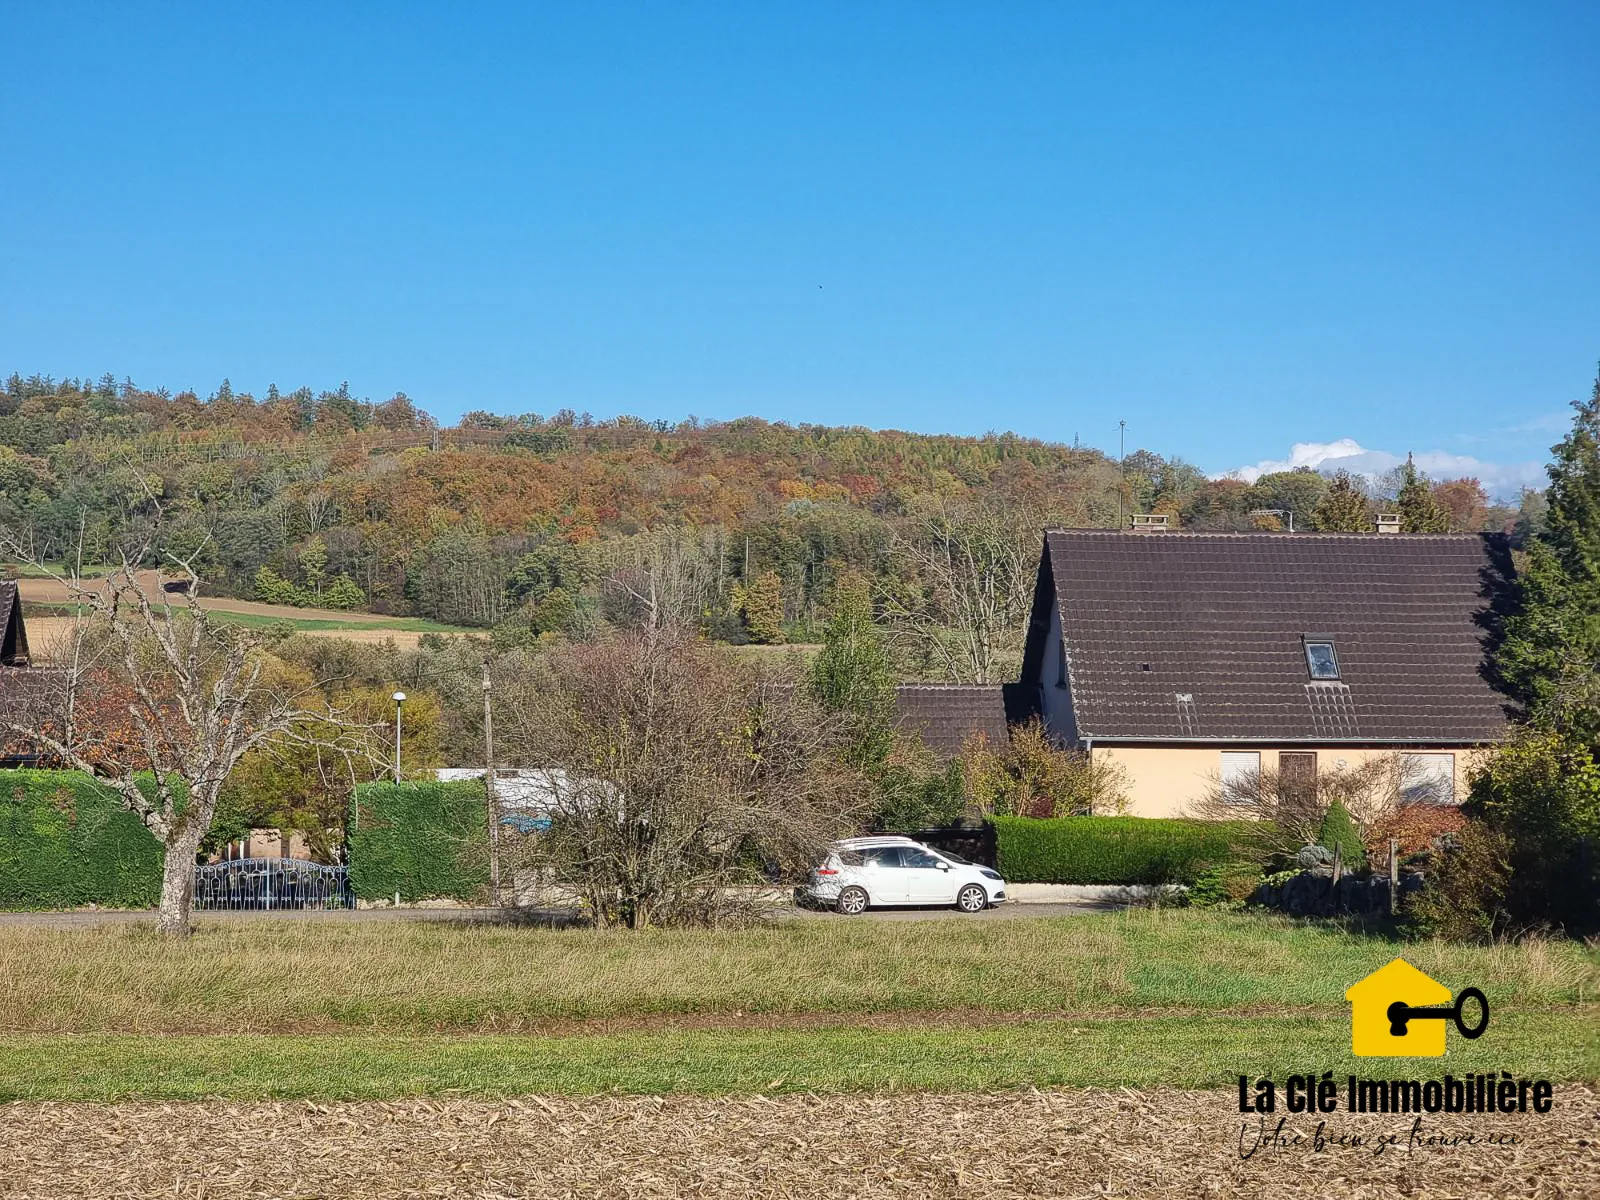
x=23 y=687
x=13 y=633
x=1194 y=658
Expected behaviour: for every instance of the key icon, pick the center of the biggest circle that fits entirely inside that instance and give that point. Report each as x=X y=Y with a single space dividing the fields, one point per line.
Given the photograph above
x=1400 y=1013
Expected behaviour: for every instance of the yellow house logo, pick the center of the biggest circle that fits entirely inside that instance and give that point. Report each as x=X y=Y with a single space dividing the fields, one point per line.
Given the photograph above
x=1397 y=1011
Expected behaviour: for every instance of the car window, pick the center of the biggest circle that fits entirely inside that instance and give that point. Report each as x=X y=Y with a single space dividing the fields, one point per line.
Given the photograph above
x=883 y=856
x=850 y=858
x=920 y=858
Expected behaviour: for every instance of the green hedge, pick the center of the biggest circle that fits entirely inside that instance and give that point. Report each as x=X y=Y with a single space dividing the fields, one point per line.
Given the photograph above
x=427 y=841
x=66 y=841
x=1114 y=849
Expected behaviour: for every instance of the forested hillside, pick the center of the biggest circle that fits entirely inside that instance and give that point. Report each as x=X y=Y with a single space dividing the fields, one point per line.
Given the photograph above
x=538 y=524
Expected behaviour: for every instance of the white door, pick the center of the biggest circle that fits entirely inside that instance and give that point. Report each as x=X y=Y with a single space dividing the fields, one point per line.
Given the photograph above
x=929 y=880
x=883 y=875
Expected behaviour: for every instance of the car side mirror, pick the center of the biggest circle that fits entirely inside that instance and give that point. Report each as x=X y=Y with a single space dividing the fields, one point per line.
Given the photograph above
x=944 y=866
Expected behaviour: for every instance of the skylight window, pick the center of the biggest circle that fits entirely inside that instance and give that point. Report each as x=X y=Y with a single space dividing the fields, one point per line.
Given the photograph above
x=1321 y=661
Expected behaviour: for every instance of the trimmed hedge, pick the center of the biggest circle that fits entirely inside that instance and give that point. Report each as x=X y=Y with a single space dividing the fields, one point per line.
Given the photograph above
x=427 y=841
x=66 y=841
x=1114 y=849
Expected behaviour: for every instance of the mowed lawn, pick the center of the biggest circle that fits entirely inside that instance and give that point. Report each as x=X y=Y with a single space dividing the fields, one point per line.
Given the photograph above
x=324 y=1009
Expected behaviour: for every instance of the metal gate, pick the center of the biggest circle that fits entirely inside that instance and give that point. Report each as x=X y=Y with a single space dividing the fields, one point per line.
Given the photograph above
x=271 y=883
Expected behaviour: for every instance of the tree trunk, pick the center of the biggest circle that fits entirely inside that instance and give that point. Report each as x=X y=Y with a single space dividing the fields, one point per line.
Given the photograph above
x=177 y=883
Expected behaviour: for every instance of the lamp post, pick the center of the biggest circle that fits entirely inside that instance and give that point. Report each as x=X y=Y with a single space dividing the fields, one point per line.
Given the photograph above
x=399 y=699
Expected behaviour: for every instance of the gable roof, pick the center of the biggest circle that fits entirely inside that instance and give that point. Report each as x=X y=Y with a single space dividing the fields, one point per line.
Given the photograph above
x=13 y=634
x=947 y=714
x=1200 y=637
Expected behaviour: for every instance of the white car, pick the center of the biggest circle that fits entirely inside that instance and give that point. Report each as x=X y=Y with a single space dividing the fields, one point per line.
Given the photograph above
x=866 y=872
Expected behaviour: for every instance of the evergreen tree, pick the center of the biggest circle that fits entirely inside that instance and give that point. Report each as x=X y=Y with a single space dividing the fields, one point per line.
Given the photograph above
x=851 y=675
x=1551 y=651
x=1419 y=511
x=1344 y=509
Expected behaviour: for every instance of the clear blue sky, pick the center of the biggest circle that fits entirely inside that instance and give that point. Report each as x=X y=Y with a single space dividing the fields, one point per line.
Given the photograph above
x=1237 y=226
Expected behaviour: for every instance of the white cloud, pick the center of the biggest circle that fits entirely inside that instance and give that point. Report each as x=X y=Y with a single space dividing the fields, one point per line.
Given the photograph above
x=1500 y=480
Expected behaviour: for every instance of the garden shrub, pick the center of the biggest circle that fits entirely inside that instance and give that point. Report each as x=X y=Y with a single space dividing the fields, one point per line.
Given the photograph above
x=1339 y=833
x=1117 y=850
x=1226 y=885
x=66 y=841
x=426 y=841
x=1467 y=881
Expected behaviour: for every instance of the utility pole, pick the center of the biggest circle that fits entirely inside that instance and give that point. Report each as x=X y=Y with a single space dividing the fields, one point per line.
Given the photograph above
x=489 y=788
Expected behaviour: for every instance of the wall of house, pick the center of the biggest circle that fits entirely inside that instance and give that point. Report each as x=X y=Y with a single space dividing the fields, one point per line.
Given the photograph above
x=1055 y=694
x=1164 y=780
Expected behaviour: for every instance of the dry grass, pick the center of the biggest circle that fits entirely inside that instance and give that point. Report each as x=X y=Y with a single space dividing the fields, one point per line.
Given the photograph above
x=1159 y=1143
x=327 y=976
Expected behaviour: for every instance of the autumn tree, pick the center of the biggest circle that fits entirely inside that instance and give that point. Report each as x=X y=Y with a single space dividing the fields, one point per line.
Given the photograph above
x=1465 y=502
x=760 y=602
x=1344 y=508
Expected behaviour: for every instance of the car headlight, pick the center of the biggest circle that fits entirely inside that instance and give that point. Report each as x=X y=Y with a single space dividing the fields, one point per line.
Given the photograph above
x=988 y=874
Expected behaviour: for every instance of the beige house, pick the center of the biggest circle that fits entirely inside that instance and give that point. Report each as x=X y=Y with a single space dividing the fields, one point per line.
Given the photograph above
x=1193 y=660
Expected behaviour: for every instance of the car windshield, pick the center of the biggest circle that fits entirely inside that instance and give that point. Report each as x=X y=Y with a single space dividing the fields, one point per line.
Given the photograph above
x=957 y=859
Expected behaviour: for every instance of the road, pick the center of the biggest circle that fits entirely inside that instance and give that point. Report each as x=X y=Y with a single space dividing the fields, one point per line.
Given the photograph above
x=89 y=919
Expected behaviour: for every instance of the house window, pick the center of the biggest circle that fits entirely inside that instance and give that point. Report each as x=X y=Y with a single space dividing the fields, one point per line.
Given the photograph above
x=1321 y=661
x=1428 y=778
x=1241 y=773
x=1297 y=775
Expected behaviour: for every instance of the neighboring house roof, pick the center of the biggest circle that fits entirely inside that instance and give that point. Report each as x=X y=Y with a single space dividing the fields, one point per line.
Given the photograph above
x=13 y=633
x=1200 y=637
x=946 y=715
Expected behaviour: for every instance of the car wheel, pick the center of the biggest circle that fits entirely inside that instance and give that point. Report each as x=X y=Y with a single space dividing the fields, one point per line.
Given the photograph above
x=852 y=902
x=972 y=899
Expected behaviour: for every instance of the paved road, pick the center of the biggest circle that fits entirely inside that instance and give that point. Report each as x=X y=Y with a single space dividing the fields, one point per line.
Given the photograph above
x=90 y=919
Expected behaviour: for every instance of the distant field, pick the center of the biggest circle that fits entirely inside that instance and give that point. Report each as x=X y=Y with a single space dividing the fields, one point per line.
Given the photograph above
x=48 y=602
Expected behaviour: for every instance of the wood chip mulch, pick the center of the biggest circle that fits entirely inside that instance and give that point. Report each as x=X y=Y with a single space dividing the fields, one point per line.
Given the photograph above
x=1090 y=1143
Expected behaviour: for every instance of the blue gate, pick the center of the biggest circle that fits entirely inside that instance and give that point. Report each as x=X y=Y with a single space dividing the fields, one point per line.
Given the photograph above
x=270 y=883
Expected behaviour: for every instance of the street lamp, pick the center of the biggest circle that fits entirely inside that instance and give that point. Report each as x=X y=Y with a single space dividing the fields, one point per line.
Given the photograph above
x=399 y=699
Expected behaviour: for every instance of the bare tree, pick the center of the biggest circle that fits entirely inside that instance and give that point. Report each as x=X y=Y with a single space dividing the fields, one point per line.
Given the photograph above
x=968 y=574
x=158 y=703
x=666 y=576
x=679 y=780
x=1291 y=806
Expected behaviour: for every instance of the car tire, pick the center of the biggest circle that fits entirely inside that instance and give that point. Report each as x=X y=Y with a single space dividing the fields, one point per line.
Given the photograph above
x=852 y=902
x=972 y=899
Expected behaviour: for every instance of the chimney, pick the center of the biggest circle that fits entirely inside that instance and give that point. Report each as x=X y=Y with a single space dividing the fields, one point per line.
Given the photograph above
x=1148 y=523
x=1388 y=522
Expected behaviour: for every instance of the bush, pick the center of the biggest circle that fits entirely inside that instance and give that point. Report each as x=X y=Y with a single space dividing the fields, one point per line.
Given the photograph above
x=1339 y=833
x=1464 y=899
x=1227 y=885
x=1030 y=776
x=1123 y=850
x=427 y=841
x=66 y=842
x=1541 y=792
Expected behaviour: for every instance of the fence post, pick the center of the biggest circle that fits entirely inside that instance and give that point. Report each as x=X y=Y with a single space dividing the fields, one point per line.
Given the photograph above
x=1394 y=874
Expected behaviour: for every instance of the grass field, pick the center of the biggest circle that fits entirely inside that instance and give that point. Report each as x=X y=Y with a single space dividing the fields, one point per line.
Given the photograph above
x=320 y=1009
x=284 y=616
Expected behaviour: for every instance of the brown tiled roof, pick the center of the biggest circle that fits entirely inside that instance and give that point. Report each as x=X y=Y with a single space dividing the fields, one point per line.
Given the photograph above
x=1200 y=636
x=946 y=715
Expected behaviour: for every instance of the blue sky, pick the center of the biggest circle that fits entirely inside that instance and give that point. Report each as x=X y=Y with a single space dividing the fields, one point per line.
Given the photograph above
x=1240 y=227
